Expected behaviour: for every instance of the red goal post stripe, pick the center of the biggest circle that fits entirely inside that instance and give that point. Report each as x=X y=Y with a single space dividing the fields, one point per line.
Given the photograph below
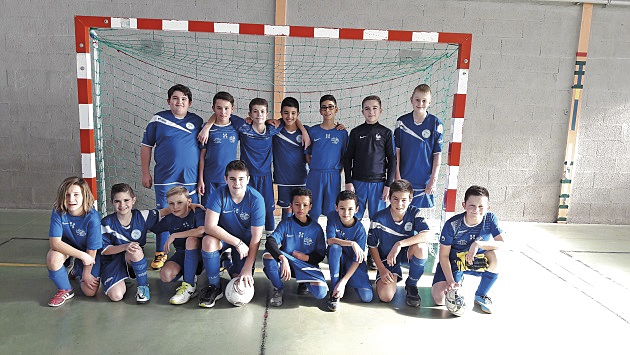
x=83 y=24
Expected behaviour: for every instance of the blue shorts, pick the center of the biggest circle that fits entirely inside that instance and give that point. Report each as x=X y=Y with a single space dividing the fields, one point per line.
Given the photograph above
x=264 y=185
x=401 y=260
x=304 y=272
x=96 y=268
x=179 y=257
x=210 y=188
x=284 y=195
x=369 y=193
x=115 y=270
x=422 y=200
x=457 y=275
x=325 y=186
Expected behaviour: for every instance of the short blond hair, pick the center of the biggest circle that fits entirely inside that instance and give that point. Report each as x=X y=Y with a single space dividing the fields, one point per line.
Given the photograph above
x=177 y=190
x=88 y=198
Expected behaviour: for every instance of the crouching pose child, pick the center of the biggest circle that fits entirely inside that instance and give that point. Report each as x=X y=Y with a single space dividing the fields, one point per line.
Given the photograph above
x=124 y=237
x=75 y=231
x=398 y=237
x=295 y=249
x=185 y=226
x=467 y=246
x=346 y=251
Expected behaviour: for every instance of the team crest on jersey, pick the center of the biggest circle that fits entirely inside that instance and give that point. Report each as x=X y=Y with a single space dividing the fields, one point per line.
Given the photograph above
x=189 y=125
x=308 y=241
x=426 y=133
x=232 y=139
x=244 y=216
x=298 y=138
x=408 y=226
x=81 y=233
x=334 y=140
x=378 y=137
x=217 y=140
x=136 y=234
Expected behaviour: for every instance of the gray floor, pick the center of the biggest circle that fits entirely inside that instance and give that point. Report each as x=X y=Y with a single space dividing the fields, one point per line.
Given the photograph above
x=562 y=289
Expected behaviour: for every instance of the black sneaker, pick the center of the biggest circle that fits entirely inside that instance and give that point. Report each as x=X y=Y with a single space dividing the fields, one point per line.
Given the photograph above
x=413 y=298
x=333 y=304
x=209 y=295
x=302 y=289
x=370 y=262
x=226 y=259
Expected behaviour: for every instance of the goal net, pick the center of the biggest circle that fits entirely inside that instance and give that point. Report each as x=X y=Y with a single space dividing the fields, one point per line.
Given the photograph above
x=133 y=69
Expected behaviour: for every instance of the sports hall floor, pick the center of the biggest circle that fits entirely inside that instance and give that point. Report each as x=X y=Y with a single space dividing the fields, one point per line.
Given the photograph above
x=563 y=289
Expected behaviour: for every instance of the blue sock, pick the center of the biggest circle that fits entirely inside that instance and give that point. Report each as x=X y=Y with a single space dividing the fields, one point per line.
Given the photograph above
x=270 y=267
x=487 y=280
x=365 y=294
x=212 y=264
x=140 y=269
x=318 y=291
x=416 y=269
x=334 y=263
x=191 y=260
x=60 y=278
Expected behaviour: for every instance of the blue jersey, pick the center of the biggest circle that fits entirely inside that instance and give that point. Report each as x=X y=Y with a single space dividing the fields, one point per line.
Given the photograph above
x=460 y=236
x=418 y=143
x=80 y=232
x=384 y=232
x=173 y=224
x=289 y=163
x=327 y=148
x=238 y=218
x=176 y=151
x=220 y=150
x=292 y=236
x=256 y=148
x=356 y=233
x=115 y=233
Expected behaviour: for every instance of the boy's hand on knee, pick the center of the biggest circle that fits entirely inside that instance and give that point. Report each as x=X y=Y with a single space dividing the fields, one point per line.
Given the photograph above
x=87 y=259
x=391 y=257
x=387 y=276
x=89 y=280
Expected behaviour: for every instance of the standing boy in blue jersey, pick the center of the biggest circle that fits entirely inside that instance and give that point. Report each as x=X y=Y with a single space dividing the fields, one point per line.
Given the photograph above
x=418 y=137
x=289 y=163
x=173 y=134
x=235 y=217
x=469 y=235
x=369 y=161
x=346 y=251
x=186 y=229
x=325 y=158
x=295 y=249
x=218 y=148
x=398 y=237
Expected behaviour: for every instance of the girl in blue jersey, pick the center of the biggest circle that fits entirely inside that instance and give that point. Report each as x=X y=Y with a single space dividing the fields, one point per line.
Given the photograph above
x=124 y=237
x=347 y=251
x=75 y=231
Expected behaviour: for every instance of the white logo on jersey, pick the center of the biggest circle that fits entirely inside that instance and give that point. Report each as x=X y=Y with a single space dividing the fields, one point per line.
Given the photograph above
x=426 y=133
x=226 y=211
x=189 y=125
x=232 y=139
x=244 y=216
x=361 y=137
x=316 y=139
x=334 y=140
x=327 y=135
x=442 y=238
x=136 y=234
x=71 y=224
x=378 y=137
x=298 y=138
x=408 y=226
x=217 y=140
x=308 y=241
x=225 y=135
x=81 y=233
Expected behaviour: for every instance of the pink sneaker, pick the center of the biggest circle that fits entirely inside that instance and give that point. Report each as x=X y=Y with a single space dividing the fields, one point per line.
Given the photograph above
x=60 y=298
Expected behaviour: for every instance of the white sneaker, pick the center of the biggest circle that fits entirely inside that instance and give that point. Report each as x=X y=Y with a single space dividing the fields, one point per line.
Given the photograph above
x=184 y=293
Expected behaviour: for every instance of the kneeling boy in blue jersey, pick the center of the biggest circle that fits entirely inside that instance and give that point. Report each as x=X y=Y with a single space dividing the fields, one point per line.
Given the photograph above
x=398 y=237
x=302 y=248
x=235 y=218
x=346 y=250
x=186 y=229
x=473 y=234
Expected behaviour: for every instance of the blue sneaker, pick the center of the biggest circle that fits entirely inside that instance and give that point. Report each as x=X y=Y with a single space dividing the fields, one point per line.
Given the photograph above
x=484 y=302
x=142 y=295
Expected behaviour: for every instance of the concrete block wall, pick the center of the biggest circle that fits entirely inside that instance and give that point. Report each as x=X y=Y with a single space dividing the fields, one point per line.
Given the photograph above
x=517 y=110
